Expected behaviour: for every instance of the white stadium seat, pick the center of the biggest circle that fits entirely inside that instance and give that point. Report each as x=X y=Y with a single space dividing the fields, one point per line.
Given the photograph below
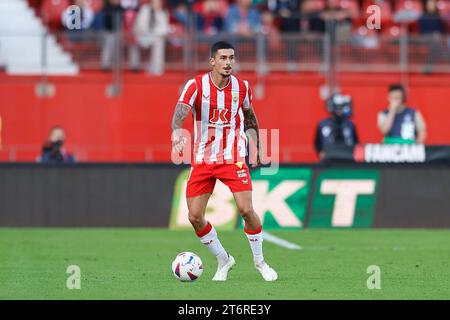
x=22 y=44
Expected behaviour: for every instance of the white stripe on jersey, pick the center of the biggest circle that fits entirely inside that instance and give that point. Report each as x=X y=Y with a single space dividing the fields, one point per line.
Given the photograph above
x=186 y=87
x=246 y=102
x=242 y=142
x=216 y=144
x=204 y=116
x=234 y=106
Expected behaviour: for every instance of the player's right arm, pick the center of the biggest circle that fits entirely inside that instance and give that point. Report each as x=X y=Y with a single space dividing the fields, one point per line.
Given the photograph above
x=179 y=115
x=184 y=105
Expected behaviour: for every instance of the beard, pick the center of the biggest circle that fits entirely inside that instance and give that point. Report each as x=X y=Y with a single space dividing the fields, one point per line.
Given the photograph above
x=226 y=75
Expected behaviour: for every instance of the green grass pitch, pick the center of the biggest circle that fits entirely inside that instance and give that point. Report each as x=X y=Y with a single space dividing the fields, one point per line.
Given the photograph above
x=136 y=264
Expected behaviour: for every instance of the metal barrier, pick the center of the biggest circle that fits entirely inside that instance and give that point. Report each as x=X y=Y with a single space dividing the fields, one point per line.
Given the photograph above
x=261 y=53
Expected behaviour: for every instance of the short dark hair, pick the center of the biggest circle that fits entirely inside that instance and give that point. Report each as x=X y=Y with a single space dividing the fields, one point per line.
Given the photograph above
x=220 y=45
x=398 y=87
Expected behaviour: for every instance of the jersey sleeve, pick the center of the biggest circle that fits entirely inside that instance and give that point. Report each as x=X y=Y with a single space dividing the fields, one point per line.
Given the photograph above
x=189 y=93
x=248 y=96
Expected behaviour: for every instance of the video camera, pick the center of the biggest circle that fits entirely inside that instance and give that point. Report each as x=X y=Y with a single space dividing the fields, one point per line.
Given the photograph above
x=338 y=102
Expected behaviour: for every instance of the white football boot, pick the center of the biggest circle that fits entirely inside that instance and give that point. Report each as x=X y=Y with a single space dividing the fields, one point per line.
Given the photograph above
x=222 y=270
x=267 y=272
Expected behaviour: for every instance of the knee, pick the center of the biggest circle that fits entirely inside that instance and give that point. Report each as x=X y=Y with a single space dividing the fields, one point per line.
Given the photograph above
x=195 y=218
x=246 y=212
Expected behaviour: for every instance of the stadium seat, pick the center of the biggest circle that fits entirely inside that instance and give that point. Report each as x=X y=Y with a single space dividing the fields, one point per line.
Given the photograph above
x=444 y=7
x=394 y=31
x=415 y=5
x=316 y=5
x=21 y=42
x=51 y=11
x=96 y=5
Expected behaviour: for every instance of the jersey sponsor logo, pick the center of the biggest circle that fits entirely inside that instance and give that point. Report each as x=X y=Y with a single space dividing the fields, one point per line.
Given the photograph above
x=219 y=116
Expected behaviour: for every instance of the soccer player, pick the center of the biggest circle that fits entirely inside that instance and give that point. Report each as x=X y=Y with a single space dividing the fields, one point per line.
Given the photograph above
x=221 y=106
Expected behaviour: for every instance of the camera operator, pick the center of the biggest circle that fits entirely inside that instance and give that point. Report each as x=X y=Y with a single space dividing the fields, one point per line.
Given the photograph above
x=338 y=129
x=52 y=150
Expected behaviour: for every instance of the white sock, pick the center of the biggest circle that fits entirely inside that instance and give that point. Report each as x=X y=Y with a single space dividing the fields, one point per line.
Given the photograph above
x=255 y=239
x=208 y=237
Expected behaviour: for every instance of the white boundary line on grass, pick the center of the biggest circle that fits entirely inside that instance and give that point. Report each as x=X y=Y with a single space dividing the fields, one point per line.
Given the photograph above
x=280 y=242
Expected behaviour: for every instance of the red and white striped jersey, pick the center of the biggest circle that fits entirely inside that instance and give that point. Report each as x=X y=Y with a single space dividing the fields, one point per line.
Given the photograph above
x=219 y=135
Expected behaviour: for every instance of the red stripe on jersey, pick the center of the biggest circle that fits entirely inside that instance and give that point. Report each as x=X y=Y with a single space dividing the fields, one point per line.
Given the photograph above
x=198 y=115
x=211 y=130
x=198 y=99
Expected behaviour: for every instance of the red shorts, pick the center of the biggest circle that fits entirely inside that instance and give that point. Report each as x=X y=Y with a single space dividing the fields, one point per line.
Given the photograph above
x=202 y=178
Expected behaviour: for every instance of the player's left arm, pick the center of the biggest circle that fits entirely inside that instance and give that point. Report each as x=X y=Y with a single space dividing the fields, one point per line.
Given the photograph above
x=421 y=128
x=251 y=123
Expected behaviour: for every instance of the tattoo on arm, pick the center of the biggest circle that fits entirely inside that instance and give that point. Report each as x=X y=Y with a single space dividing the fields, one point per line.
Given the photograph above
x=179 y=115
x=250 y=122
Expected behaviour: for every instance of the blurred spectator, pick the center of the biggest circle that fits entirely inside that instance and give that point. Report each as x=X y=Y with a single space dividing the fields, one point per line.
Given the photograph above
x=337 y=129
x=399 y=123
x=150 y=28
x=243 y=19
x=130 y=11
x=289 y=14
x=269 y=29
x=112 y=22
x=183 y=12
x=431 y=26
x=211 y=16
x=52 y=150
x=430 y=21
x=334 y=16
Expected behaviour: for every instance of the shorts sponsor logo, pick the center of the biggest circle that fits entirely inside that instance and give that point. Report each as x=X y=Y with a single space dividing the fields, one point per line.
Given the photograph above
x=241 y=173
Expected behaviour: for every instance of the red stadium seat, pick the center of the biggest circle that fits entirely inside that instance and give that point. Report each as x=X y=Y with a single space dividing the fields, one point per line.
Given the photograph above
x=415 y=5
x=51 y=11
x=319 y=4
x=352 y=6
x=394 y=31
x=96 y=5
x=365 y=32
x=444 y=7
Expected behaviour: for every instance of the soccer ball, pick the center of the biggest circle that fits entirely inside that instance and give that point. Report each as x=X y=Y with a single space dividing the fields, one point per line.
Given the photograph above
x=187 y=266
